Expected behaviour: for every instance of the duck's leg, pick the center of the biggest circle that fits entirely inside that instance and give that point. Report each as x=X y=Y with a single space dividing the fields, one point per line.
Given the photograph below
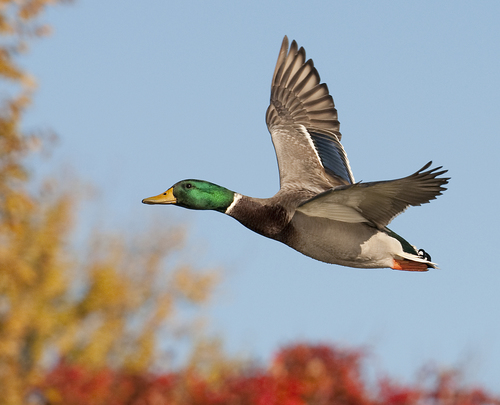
x=408 y=265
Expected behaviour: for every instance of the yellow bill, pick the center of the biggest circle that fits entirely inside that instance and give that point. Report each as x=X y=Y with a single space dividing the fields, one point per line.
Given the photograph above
x=166 y=198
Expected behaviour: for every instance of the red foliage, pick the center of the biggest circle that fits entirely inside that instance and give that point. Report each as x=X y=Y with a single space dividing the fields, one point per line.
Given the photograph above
x=75 y=385
x=299 y=375
x=321 y=374
x=391 y=393
x=448 y=391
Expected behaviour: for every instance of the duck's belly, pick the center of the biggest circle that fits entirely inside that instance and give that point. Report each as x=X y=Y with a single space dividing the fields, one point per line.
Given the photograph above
x=347 y=244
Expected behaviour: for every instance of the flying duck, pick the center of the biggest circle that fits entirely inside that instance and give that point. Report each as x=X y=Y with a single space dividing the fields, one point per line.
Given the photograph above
x=319 y=210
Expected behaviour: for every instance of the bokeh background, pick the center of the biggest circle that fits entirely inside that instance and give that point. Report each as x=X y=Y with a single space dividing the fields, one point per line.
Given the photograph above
x=143 y=94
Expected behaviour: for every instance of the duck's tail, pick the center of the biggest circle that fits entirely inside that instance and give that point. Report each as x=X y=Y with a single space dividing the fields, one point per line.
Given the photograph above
x=410 y=262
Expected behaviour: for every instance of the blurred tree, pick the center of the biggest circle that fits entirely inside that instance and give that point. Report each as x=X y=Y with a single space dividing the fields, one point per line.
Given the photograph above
x=300 y=375
x=104 y=308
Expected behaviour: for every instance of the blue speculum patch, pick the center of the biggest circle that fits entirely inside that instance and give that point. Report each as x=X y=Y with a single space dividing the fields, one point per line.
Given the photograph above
x=330 y=156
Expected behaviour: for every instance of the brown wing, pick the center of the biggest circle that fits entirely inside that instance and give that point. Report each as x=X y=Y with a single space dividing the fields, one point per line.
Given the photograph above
x=302 y=120
x=377 y=202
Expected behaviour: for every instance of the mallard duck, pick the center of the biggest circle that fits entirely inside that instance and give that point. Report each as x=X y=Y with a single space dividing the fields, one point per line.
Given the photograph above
x=319 y=210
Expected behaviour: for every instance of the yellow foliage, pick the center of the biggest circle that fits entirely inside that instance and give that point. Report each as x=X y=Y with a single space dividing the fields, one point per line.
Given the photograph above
x=194 y=286
x=105 y=307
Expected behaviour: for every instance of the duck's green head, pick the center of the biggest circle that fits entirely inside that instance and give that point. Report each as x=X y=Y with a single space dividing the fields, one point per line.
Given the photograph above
x=196 y=195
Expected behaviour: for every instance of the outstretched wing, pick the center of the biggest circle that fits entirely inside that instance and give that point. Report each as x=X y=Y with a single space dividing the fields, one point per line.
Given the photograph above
x=377 y=202
x=302 y=120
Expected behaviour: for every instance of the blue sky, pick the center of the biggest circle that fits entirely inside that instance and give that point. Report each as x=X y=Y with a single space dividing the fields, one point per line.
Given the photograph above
x=143 y=94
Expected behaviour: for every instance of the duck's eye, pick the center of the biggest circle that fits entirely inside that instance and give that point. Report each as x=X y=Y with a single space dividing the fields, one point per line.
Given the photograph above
x=189 y=185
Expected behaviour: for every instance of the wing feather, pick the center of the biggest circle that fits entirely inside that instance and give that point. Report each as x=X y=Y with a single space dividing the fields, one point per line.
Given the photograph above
x=303 y=123
x=377 y=202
